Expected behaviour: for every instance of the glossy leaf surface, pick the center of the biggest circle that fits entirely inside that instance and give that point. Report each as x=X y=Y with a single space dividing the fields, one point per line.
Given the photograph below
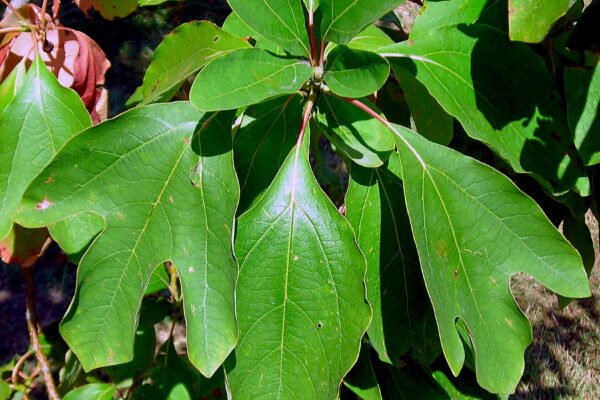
x=167 y=191
x=34 y=126
x=247 y=77
x=354 y=133
x=355 y=73
x=280 y=21
x=474 y=229
x=263 y=143
x=300 y=293
x=182 y=53
x=342 y=20
x=530 y=20
x=582 y=88
x=402 y=314
x=517 y=114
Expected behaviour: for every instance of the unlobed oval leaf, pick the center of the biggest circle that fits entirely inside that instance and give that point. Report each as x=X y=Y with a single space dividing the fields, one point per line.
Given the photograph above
x=342 y=20
x=502 y=95
x=474 y=229
x=34 y=126
x=247 y=77
x=402 y=314
x=300 y=293
x=353 y=132
x=182 y=53
x=280 y=21
x=355 y=73
x=166 y=189
x=582 y=89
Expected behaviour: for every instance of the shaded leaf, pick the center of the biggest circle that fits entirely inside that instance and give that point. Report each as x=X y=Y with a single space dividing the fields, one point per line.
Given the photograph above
x=355 y=73
x=582 y=88
x=35 y=125
x=182 y=53
x=463 y=388
x=354 y=133
x=342 y=20
x=402 y=314
x=293 y=242
x=262 y=144
x=247 y=77
x=161 y=199
x=410 y=381
x=530 y=20
x=361 y=379
x=22 y=244
x=429 y=118
x=519 y=115
x=234 y=25
x=474 y=229
x=280 y=21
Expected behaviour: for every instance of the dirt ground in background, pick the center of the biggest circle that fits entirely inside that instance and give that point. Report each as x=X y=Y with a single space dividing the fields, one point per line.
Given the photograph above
x=563 y=361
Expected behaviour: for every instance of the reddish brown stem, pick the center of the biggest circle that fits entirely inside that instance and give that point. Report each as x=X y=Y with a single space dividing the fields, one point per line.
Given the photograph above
x=366 y=109
x=311 y=34
x=32 y=322
x=306 y=117
x=55 y=9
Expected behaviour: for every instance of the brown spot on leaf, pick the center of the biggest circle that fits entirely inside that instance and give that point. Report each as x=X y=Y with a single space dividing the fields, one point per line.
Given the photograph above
x=44 y=204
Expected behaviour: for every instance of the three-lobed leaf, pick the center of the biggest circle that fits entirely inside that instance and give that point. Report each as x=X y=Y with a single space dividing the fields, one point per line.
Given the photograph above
x=182 y=53
x=300 y=294
x=165 y=187
x=35 y=124
x=474 y=229
x=502 y=95
x=246 y=77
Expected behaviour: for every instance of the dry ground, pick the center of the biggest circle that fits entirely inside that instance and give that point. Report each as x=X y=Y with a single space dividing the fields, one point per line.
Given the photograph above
x=564 y=360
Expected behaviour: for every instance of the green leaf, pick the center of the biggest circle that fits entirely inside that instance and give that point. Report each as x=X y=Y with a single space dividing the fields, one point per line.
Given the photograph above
x=300 y=294
x=582 y=88
x=578 y=234
x=75 y=233
x=11 y=85
x=182 y=53
x=35 y=125
x=463 y=388
x=234 y=25
x=518 y=114
x=440 y=13
x=409 y=381
x=96 y=391
x=371 y=39
x=530 y=20
x=402 y=314
x=162 y=198
x=342 y=20
x=355 y=73
x=474 y=229
x=247 y=77
x=353 y=132
x=280 y=21
x=361 y=379
x=147 y=3
x=111 y=9
x=263 y=143
x=4 y=390
x=429 y=118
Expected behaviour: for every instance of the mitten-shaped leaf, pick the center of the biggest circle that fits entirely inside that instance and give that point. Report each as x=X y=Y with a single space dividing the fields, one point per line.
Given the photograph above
x=300 y=293
x=502 y=95
x=474 y=229
x=247 y=77
x=280 y=21
x=183 y=52
x=34 y=126
x=402 y=313
x=355 y=73
x=166 y=188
